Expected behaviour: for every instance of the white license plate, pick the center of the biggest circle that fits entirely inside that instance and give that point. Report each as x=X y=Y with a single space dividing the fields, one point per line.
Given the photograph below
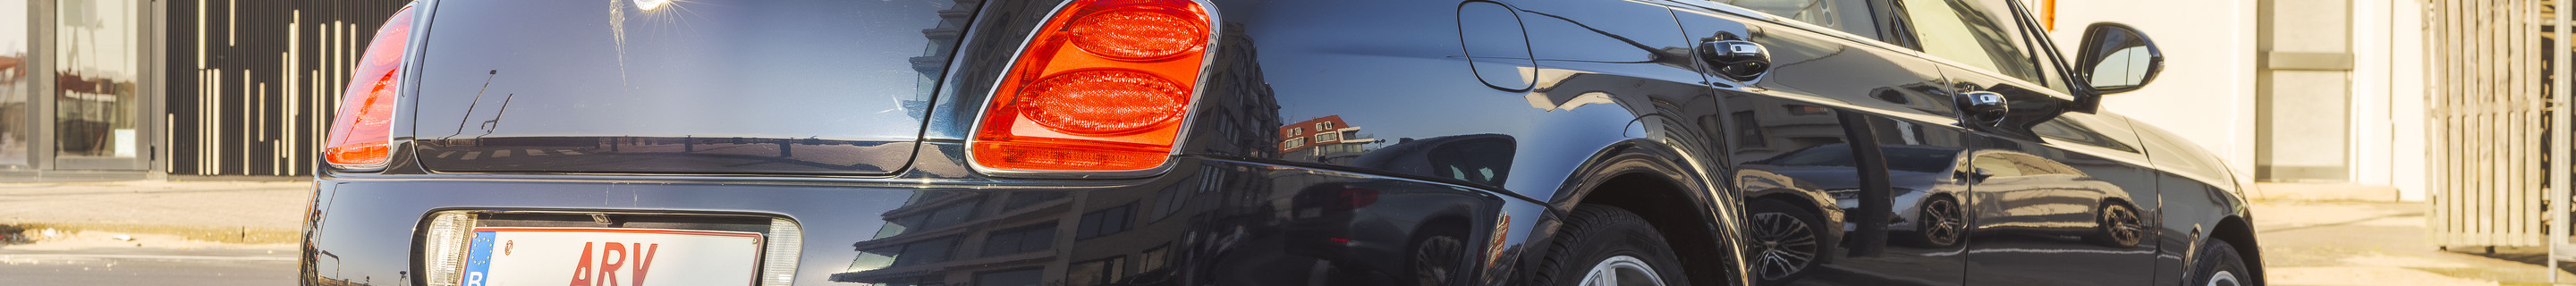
x=508 y=256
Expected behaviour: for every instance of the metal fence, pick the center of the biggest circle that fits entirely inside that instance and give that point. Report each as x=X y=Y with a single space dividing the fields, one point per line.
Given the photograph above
x=253 y=82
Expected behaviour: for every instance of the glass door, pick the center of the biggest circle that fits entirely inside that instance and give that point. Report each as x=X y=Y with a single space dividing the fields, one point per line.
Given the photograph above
x=99 y=100
x=15 y=86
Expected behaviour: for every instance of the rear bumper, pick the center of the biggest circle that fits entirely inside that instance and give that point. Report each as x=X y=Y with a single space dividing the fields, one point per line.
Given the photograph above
x=1207 y=222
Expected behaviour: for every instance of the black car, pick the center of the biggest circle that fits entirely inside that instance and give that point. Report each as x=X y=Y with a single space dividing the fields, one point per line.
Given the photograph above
x=1257 y=142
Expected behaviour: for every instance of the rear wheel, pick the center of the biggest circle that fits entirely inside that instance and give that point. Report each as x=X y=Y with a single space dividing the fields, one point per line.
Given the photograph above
x=2221 y=266
x=1606 y=246
x=1785 y=241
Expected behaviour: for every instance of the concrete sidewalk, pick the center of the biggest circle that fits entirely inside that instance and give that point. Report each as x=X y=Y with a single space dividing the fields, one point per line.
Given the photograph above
x=2357 y=243
x=214 y=211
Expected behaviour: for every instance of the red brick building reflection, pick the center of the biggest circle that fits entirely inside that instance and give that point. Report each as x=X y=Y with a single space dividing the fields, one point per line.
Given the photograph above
x=1323 y=139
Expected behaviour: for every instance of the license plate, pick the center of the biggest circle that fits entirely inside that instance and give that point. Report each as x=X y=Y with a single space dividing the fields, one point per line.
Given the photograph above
x=507 y=256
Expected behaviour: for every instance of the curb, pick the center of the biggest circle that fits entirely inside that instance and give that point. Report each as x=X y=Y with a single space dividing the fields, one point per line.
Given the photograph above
x=20 y=232
x=2324 y=192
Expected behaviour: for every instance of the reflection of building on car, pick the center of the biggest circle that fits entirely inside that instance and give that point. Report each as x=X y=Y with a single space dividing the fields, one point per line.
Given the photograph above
x=1157 y=142
x=1326 y=139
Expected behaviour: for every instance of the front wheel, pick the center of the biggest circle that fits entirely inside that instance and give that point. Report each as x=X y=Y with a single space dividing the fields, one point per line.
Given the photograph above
x=1607 y=246
x=2221 y=266
x=2117 y=225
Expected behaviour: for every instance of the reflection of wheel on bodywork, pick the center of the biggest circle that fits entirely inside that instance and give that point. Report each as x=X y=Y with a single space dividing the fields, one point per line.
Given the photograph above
x=1601 y=245
x=2116 y=225
x=1784 y=241
x=1939 y=223
x=1435 y=259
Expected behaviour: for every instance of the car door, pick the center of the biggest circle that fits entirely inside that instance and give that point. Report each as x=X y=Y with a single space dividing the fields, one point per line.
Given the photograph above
x=2058 y=197
x=1851 y=133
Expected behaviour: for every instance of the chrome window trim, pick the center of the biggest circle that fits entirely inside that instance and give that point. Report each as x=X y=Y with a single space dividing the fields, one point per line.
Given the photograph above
x=1865 y=41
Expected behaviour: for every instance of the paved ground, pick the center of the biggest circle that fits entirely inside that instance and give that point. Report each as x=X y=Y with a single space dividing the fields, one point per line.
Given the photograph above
x=235 y=206
x=150 y=232
x=241 y=233
x=2344 y=243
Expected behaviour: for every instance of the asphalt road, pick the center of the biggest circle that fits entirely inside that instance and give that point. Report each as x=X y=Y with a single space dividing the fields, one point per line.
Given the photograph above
x=147 y=266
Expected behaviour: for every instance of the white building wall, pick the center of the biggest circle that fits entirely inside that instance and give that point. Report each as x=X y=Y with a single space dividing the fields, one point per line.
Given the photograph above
x=2395 y=74
x=2206 y=91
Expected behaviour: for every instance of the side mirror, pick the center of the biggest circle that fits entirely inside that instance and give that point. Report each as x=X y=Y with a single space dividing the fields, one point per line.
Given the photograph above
x=2116 y=58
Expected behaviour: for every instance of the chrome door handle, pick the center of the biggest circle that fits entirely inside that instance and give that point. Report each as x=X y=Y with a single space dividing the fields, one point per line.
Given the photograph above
x=1735 y=59
x=1983 y=108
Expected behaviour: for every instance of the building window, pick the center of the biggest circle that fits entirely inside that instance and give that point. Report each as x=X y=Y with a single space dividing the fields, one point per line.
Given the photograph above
x=1748 y=130
x=1294 y=132
x=1105 y=222
x=1321 y=137
x=1155 y=258
x=952 y=214
x=916 y=253
x=1097 y=272
x=1805 y=109
x=15 y=84
x=1019 y=240
x=1324 y=126
x=1024 y=199
x=927 y=280
x=1293 y=143
x=1169 y=200
x=1033 y=276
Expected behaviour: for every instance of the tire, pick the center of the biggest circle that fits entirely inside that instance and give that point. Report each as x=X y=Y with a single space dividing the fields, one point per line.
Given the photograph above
x=2220 y=265
x=1612 y=239
x=1784 y=241
x=2116 y=225
x=1940 y=222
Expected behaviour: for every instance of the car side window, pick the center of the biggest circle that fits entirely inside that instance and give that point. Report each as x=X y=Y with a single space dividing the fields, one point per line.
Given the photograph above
x=1849 y=16
x=1970 y=34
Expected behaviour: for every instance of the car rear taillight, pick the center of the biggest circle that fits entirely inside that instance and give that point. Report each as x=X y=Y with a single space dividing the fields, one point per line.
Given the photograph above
x=1104 y=85
x=361 y=135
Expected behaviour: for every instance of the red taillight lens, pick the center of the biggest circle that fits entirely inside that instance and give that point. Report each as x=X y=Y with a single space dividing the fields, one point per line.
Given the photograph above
x=1103 y=86
x=361 y=135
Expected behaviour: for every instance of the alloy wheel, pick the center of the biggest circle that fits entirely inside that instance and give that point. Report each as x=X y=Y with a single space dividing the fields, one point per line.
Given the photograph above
x=1784 y=244
x=2123 y=225
x=1622 y=270
x=1942 y=222
x=2223 y=278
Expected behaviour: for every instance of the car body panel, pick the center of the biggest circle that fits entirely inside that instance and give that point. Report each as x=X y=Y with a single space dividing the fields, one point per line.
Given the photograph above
x=1222 y=225
x=1419 y=130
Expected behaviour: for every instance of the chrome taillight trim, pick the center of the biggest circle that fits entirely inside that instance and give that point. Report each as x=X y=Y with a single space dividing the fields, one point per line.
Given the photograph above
x=778 y=255
x=443 y=248
x=1198 y=94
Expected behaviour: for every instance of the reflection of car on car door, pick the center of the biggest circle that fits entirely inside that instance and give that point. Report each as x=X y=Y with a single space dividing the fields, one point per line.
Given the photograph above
x=1783 y=220
x=2019 y=191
